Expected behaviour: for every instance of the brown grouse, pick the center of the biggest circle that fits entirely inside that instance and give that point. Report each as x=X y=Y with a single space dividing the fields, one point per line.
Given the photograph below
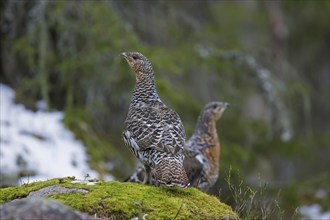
x=203 y=148
x=153 y=132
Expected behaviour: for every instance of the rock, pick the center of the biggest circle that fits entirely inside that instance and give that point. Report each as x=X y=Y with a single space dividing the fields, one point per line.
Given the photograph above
x=39 y=209
x=53 y=190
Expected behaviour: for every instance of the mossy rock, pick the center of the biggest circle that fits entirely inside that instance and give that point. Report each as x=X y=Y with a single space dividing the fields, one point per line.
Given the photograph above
x=121 y=200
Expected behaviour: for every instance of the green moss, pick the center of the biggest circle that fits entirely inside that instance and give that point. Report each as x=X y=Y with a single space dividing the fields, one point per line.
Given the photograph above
x=10 y=193
x=128 y=200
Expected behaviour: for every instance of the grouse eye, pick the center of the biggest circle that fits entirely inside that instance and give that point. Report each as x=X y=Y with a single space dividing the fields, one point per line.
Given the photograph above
x=134 y=57
x=214 y=106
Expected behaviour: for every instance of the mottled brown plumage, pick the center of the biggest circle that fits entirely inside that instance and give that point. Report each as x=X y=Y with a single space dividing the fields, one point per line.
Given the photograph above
x=153 y=132
x=202 y=150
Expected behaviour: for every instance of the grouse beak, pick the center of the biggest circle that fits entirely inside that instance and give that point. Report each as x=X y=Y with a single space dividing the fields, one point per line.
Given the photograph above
x=226 y=104
x=124 y=55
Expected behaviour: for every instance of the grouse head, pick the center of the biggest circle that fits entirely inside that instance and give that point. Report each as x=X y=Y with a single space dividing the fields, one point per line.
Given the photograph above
x=139 y=64
x=214 y=110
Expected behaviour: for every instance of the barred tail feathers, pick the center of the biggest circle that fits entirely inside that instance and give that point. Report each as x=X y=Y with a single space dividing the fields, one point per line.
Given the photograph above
x=170 y=172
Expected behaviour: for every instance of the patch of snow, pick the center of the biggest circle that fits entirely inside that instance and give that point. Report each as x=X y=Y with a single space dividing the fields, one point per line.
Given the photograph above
x=314 y=212
x=321 y=194
x=38 y=142
x=41 y=105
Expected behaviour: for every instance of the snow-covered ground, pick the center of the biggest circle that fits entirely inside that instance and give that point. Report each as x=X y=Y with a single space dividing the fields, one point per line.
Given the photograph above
x=314 y=212
x=38 y=142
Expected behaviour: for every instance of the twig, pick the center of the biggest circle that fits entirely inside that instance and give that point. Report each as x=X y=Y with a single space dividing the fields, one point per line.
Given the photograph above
x=177 y=213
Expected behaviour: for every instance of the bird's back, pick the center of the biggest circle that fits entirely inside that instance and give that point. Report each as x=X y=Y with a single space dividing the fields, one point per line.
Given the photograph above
x=157 y=139
x=155 y=126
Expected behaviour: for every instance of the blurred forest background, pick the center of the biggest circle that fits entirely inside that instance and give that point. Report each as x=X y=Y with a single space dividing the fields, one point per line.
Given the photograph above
x=268 y=59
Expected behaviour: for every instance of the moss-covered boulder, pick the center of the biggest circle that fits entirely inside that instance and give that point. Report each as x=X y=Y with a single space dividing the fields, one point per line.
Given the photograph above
x=117 y=200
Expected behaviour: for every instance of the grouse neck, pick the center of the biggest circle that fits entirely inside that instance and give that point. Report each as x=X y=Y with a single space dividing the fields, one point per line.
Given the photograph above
x=145 y=90
x=206 y=128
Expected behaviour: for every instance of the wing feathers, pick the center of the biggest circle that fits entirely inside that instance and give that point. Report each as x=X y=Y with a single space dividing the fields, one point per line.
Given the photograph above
x=156 y=127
